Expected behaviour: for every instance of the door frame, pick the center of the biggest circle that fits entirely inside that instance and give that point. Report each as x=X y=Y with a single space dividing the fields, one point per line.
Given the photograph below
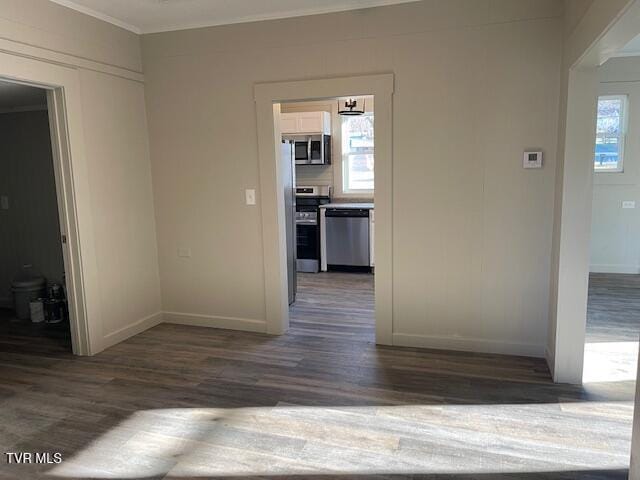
x=574 y=188
x=72 y=187
x=268 y=97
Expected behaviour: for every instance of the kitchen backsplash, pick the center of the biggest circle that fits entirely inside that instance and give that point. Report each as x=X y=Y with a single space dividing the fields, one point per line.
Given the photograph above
x=314 y=175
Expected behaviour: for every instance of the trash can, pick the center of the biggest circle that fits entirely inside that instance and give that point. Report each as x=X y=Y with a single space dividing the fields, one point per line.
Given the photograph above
x=25 y=289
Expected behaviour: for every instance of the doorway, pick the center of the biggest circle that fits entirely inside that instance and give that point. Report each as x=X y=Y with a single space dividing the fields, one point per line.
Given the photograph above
x=33 y=300
x=330 y=212
x=60 y=314
x=269 y=97
x=613 y=310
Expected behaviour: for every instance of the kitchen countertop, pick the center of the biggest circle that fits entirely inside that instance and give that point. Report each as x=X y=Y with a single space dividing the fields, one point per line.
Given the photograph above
x=368 y=206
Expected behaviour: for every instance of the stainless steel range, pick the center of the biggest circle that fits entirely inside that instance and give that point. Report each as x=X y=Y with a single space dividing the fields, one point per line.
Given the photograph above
x=308 y=200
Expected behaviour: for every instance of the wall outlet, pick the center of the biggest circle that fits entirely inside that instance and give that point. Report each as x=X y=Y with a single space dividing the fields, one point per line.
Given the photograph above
x=629 y=204
x=184 y=252
x=250 y=196
x=4 y=202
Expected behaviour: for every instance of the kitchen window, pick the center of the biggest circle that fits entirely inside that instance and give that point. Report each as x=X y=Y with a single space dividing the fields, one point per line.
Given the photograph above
x=611 y=133
x=357 y=153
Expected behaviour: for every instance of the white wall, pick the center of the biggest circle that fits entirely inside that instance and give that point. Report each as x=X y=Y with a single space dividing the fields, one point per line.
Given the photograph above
x=124 y=282
x=29 y=229
x=477 y=82
x=615 y=232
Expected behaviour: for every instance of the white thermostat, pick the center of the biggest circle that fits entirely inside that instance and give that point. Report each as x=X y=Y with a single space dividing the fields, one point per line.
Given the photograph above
x=532 y=160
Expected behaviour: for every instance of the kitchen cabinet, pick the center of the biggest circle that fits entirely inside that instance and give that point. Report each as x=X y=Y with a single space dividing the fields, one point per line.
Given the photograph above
x=305 y=122
x=289 y=123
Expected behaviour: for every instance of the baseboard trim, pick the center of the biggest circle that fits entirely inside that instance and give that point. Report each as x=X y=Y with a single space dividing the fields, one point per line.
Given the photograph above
x=630 y=269
x=211 y=321
x=467 y=344
x=131 y=330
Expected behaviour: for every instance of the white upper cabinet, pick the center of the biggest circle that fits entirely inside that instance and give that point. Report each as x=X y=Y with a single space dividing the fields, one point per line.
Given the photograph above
x=306 y=122
x=289 y=123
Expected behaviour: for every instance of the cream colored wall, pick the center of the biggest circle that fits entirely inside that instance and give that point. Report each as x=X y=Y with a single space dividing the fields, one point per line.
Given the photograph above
x=56 y=28
x=574 y=12
x=476 y=83
x=123 y=287
x=615 y=232
x=29 y=228
x=122 y=201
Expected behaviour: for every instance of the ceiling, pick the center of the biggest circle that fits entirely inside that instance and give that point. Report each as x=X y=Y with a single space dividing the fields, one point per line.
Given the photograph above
x=148 y=16
x=631 y=49
x=14 y=95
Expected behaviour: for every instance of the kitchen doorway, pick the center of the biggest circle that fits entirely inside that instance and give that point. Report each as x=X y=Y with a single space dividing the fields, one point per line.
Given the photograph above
x=269 y=100
x=329 y=145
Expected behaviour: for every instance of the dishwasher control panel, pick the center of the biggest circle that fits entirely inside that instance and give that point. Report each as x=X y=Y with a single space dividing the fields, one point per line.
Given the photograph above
x=347 y=212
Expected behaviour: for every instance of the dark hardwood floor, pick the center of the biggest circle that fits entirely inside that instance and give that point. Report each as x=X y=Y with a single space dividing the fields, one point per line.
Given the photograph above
x=322 y=401
x=52 y=337
x=613 y=313
x=613 y=327
x=336 y=305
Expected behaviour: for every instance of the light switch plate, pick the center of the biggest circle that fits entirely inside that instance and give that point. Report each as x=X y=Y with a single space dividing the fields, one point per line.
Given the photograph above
x=250 y=196
x=184 y=252
x=4 y=202
x=629 y=204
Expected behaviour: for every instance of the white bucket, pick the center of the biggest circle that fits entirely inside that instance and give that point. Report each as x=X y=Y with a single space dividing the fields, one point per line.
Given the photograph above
x=36 y=307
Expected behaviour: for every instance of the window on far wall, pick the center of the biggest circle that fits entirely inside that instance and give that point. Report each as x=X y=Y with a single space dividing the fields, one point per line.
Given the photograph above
x=611 y=132
x=357 y=153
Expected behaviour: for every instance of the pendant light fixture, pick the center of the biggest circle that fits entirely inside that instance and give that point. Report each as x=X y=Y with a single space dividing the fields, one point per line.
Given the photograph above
x=350 y=107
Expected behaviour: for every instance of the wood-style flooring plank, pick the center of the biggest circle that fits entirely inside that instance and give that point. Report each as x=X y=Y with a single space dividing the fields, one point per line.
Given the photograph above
x=321 y=402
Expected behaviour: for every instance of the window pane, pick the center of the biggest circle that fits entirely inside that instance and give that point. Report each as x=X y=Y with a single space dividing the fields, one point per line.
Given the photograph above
x=609 y=117
x=358 y=152
x=360 y=168
x=607 y=153
x=610 y=134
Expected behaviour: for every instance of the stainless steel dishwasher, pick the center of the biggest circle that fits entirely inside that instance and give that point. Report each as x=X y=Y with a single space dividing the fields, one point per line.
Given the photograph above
x=347 y=236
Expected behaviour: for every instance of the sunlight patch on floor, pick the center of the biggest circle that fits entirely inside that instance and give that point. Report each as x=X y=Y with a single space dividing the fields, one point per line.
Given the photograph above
x=610 y=361
x=285 y=440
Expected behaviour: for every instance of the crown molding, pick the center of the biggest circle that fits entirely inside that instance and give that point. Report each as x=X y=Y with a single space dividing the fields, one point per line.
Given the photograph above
x=99 y=15
x=320 y=10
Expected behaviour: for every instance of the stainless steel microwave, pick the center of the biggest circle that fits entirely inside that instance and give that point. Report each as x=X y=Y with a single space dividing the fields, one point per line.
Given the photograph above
x=311 y=149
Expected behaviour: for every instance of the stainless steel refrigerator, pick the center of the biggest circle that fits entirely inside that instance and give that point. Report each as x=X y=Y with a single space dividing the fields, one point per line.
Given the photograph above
x=288 y=169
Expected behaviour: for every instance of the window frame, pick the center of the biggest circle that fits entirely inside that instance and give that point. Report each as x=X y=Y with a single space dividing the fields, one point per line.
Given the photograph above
x=344 y=163
x=622 y=137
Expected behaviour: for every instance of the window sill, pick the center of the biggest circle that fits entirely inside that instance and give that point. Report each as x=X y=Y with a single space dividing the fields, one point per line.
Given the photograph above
x=353 y=197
